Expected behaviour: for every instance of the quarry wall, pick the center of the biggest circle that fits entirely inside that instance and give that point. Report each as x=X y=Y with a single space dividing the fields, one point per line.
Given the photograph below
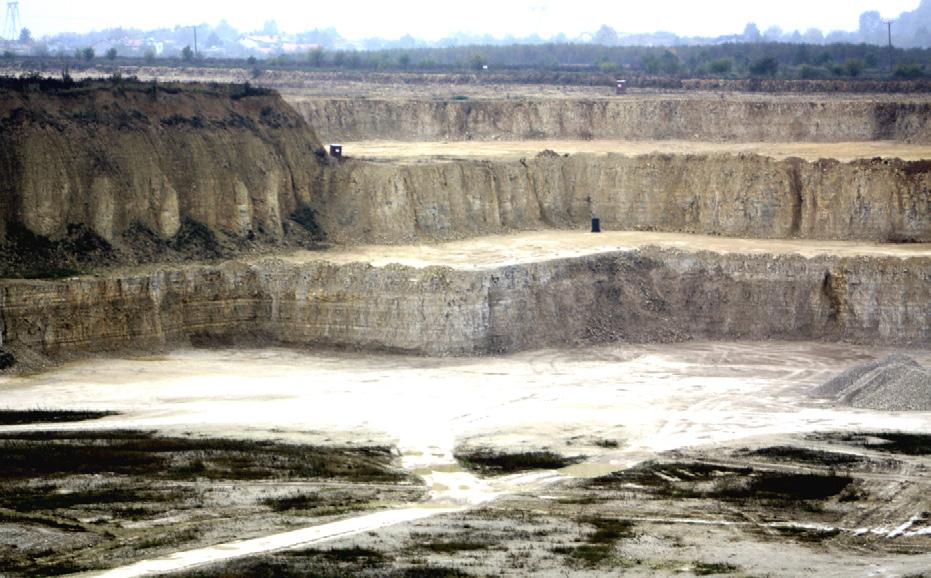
x=712 y=118
x=741 y=196
x=643 y=295
x=130 y=156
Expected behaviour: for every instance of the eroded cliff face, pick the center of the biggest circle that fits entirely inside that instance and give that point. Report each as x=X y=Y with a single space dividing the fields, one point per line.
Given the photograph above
x=130 y=158
x=638 y=295
x=741 y=196
x=762 y=119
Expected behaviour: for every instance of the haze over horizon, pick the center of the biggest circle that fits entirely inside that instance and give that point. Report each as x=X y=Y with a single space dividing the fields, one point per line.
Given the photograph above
x=433 y=21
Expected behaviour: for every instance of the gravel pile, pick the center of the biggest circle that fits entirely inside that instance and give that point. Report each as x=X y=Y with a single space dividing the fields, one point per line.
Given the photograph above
x=896 y=383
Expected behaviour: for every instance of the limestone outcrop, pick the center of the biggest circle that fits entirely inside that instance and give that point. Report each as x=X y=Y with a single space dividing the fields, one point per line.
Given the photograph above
x=637 y=295
x=750 y=118
x=732 y=195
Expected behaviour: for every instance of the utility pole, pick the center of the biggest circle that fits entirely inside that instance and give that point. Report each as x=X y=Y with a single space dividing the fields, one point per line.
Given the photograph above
x=195 y=42
x=891 y=51
x=11 y=26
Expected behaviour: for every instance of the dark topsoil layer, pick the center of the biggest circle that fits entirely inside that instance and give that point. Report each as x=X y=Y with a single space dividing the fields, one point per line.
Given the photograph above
x=127 y=452
x=34 y=416
x=75 y=501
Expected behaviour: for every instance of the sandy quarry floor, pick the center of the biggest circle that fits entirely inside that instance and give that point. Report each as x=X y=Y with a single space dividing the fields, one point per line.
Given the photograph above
x=499 y=250
x=654 y=397
x=504 y=150
x=647 y=399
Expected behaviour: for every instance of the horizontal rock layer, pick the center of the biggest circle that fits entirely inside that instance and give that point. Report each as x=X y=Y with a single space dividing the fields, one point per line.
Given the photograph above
x=748 y=119
x=741 y=196
x=638 y=295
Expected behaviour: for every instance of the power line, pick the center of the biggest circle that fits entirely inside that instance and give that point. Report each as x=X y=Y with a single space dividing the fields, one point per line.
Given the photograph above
x=11 y=26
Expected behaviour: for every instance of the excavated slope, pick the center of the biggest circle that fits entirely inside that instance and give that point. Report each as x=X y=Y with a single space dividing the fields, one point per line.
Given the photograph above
x=637 y=295
x=710 y=118
x=745 y=196
x=126 y=157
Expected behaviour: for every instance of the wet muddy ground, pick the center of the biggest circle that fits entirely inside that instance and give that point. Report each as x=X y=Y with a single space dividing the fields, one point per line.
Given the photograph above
x=726 y=447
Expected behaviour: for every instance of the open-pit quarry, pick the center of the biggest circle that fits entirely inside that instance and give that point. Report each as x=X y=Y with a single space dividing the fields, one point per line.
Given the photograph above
x=226 y=352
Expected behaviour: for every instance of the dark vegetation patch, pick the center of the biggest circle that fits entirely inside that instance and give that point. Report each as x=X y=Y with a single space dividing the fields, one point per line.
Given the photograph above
x=87 y=484
x=804 y=456
x=318 y=504
x=782 y=486
x=706 y=569
x=429 y=572
x=43 y=454
x=810 y=535
x=493 y=462
x=910 y=444
x=702 y=480
x=349 y=562
x=25 y=499
x=27 y=416
x=598 y=548
x=455 y=546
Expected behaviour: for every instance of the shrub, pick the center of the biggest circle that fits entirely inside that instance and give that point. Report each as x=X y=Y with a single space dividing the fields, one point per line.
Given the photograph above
x=854 y=67
x=767 y=66
x=722 y=66
x=909 y=71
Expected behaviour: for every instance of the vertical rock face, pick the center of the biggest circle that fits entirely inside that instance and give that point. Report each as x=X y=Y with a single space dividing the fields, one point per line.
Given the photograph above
x=117 y=157
x=741 y=196
x=756 y=118
x=640 y=295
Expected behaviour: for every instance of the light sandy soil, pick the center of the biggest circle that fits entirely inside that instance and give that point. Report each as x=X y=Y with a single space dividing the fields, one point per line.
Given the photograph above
x=507 y=150
x=649 y=399
x=653 y=397
x=499 y=250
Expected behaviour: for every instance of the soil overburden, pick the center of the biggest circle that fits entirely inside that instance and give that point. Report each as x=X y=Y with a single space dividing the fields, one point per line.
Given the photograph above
x=122 y=171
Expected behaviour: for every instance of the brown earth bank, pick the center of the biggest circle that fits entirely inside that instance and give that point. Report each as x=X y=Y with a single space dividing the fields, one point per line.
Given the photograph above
x=633 y=117
x=641 y=294
x=143 y=168
x=742 y=195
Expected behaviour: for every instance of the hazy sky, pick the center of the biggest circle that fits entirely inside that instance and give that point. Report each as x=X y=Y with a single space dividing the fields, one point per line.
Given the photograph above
x=433 y=19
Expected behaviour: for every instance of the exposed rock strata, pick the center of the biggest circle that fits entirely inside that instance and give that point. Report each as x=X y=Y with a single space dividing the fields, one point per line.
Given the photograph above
x=637 y=296
x=741 y=196
x=649 y=118
x=127 y=158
